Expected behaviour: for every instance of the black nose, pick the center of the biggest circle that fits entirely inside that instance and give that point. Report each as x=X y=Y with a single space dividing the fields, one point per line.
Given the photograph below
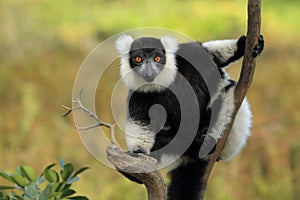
x=149 y=77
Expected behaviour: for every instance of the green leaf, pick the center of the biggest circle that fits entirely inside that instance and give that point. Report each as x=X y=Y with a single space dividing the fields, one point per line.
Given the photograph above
x=28 y=172
x=59 y=186
x=3 y=187
x=72 y=180
x=46 y=193
x=19 y=180
x=79 y=198
x=80 y=171
x=13 y=196
x=48 y=167
x=18 y=197
x=31 y=191
x=67 y=171
x=40 y=180
x=3 y=196
x=67 y=193
x=51 y=175
x=6 y=176
x=18 y=171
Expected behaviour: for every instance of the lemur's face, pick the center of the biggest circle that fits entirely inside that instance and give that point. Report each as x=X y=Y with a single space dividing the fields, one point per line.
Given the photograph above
x=147 y=64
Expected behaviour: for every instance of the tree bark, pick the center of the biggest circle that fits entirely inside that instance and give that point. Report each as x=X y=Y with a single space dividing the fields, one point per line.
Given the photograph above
x=142 y=167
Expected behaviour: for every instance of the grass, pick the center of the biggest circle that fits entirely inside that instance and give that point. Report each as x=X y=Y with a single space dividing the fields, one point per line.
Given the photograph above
x=44 y=42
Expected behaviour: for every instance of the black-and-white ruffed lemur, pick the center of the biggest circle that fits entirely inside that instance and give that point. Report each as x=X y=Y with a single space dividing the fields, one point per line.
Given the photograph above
x=149 y=67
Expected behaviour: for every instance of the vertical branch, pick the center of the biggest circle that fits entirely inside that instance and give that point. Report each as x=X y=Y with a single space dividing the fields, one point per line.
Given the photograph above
x=243 y=85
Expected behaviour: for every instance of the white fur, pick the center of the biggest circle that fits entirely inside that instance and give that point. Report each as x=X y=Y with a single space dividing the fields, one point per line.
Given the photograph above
x=138 y=137
x=240 y=131
x=164 y=78
x=223 y=48
x=170 y=44
x=123 y=44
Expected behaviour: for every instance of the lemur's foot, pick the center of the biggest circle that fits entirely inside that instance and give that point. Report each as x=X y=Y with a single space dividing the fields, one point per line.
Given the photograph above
x=241 y=44
x=259 y=47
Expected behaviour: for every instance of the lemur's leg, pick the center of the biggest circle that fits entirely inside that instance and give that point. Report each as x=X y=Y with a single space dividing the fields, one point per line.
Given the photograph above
x=223 y=52
x=185 y=181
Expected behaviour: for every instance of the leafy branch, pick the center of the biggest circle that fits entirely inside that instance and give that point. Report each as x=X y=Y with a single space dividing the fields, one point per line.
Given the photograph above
x=50 y=185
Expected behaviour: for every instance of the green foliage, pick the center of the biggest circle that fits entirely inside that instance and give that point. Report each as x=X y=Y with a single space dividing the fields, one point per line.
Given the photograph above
x=50 y=185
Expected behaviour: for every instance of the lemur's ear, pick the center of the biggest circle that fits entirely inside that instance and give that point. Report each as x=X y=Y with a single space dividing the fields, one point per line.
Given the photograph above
x=123 y=44
x=169 y=43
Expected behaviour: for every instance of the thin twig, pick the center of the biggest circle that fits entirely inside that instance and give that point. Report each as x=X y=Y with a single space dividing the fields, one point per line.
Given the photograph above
x=80 y=106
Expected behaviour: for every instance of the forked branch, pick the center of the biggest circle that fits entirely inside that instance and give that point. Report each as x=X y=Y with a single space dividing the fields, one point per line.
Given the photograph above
x=98 y=123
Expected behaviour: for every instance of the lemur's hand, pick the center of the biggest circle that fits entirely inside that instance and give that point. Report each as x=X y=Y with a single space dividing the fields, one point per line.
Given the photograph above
x=259 y=47
x=241 y=45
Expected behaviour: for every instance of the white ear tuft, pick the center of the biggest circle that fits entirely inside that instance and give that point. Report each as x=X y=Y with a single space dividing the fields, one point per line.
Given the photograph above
x=169 y=43
x=123 y=44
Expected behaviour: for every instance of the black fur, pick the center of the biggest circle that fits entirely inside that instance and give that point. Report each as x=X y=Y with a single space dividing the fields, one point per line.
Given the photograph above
x=139 y=104
x=185 y=181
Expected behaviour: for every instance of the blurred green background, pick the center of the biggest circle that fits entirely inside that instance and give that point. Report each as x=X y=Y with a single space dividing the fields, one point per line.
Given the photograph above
x=43 y=42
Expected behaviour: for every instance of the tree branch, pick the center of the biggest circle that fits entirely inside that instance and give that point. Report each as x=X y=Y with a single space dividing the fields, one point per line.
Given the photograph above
x=142 y=167
x=243 y=85
x=80 y=106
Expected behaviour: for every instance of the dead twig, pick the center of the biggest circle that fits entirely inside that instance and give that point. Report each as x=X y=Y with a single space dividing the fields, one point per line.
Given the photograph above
x=80 y=106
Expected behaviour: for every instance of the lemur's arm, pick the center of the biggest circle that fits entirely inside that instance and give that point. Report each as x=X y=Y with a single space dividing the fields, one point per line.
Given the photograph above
x=223 y=52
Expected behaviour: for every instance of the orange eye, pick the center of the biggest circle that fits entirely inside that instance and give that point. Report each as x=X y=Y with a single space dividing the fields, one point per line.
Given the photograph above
x=157 y=58
x=138 y=59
